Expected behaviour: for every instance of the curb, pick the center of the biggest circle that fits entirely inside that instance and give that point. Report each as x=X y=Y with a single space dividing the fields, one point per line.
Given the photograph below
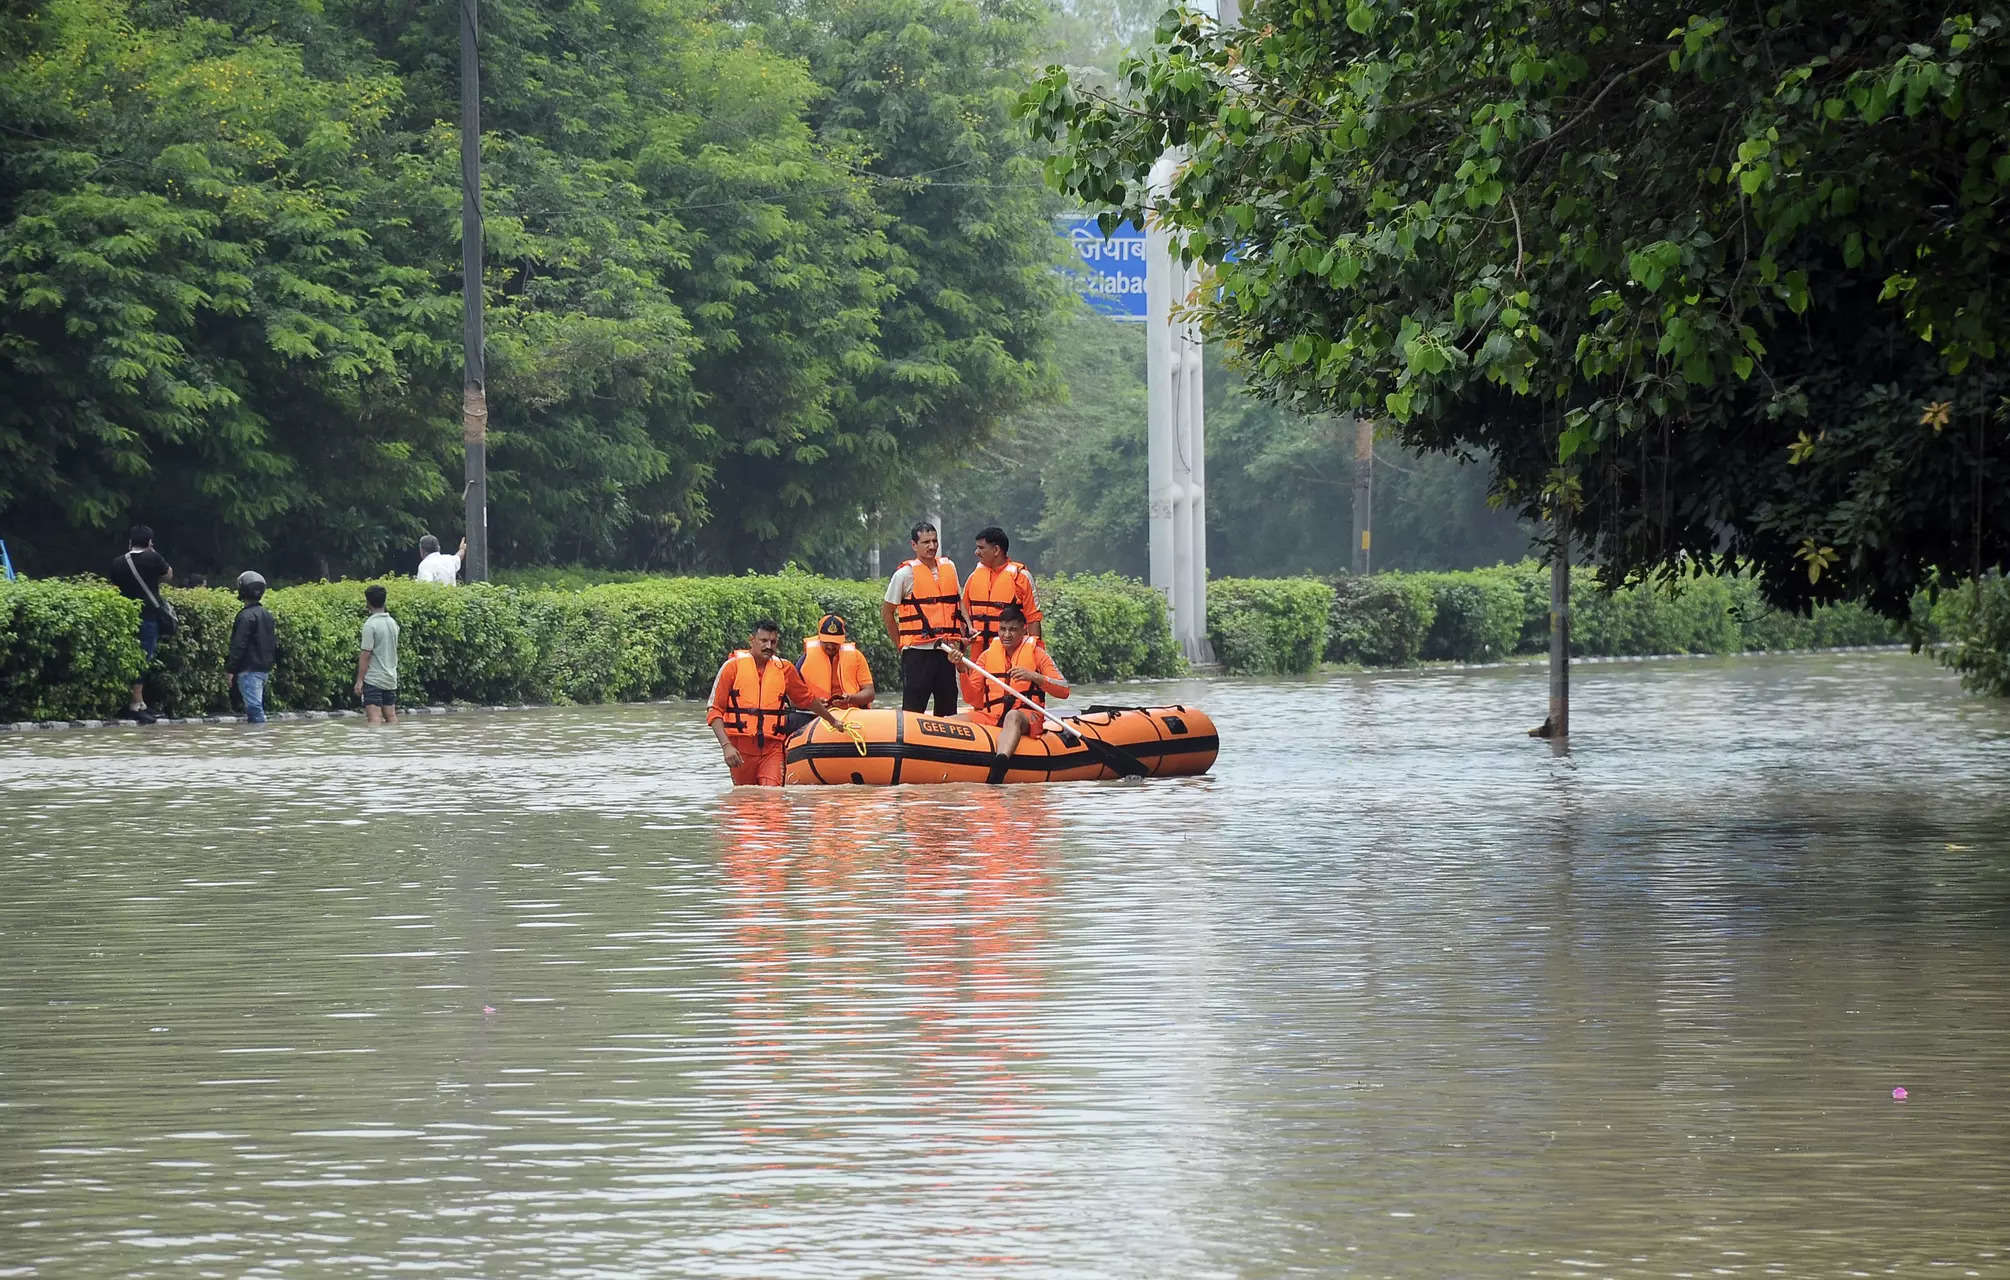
x=450 y=708
x=426 y=709
x=1539 y=660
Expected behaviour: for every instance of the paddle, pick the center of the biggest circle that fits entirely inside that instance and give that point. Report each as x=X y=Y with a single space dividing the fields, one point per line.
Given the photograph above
x=1112 y=757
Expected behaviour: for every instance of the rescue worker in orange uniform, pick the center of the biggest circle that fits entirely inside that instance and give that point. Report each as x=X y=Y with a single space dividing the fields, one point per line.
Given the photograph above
x=834 y=669
x=998 y=580
x=1023 y=663
x=923 y=615
x=750 y=707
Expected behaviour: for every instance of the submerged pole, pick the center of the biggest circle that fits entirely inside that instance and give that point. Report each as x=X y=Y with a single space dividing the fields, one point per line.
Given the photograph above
x=474 y=376
x=1364 y=492
x=1558 y=724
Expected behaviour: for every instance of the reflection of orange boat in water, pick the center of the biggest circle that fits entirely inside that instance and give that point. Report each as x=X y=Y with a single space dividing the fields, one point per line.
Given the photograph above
x=906 y=746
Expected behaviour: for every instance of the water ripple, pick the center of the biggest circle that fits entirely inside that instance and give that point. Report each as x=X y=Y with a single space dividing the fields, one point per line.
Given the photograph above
x=1396 y=991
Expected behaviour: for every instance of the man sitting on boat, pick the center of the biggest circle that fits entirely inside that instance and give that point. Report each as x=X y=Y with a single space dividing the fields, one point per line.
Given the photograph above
x=834 y=669
x=1021 y=662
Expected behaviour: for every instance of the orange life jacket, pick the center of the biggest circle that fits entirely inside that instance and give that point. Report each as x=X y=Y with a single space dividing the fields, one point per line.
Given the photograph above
x=758 y=706
x=820 y=672
x=988 y=592
x=995 y=703
x=929 y=611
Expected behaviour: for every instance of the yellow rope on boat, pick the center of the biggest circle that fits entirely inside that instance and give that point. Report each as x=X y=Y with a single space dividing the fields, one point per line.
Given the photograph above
x=856 y=734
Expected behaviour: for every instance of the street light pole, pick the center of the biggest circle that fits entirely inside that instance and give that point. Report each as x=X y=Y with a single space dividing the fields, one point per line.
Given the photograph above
x=474 y=376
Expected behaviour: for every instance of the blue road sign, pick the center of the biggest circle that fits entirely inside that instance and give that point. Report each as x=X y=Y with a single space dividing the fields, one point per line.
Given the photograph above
x=1111 y=273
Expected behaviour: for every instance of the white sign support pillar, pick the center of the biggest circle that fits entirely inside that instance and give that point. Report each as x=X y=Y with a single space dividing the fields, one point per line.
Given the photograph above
x=1177 y=427
x=1177 y=435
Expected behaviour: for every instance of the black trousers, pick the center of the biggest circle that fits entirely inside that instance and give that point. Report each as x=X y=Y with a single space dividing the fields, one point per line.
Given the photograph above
x=926 y=673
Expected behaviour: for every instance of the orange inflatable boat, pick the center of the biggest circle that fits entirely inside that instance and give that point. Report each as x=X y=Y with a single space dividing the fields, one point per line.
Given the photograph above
x=906 y=746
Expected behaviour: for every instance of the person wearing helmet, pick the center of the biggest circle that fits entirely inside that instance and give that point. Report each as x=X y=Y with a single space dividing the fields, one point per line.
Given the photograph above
x=254 y=645
x=834 y=669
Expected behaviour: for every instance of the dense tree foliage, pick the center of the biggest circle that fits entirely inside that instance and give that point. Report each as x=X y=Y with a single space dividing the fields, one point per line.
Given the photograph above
x=1723 y=282
x=919 y=93
x=730 y=305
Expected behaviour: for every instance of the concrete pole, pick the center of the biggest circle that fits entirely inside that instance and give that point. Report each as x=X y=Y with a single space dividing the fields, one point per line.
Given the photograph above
x=474 y=375
x=1196 y=458
x=1176 y=511
x=1162 y=485
x=1176 y=472
x=1364 y=493
x=1558 y=724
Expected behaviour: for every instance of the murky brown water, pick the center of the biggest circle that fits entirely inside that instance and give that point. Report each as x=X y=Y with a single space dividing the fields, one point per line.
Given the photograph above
x=1412 y=997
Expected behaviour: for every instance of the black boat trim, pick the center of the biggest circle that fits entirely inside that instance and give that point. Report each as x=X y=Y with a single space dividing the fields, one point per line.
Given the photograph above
x=900 y=751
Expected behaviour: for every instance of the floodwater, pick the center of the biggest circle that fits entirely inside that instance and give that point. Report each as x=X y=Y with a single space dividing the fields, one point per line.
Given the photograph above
x=1396 y=991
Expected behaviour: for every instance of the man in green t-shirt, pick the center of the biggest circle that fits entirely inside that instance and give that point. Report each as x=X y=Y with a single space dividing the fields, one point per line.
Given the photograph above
x=377 y=662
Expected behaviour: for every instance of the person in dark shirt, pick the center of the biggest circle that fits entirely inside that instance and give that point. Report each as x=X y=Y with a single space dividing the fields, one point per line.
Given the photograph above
x=138 y=574
x=254 y=646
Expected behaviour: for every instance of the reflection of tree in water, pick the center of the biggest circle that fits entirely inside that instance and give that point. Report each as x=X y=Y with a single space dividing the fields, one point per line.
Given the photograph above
x=829 y=1021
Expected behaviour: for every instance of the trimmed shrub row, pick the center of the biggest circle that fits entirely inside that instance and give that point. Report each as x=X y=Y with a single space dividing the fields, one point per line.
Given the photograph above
x=1271 y=626
x=1268 y=626
x=1975 y=621
x=70 y=651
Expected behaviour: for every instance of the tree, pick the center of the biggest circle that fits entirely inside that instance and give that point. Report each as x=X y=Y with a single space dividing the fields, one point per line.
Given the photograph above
x=193 y=327
x=682 y=278
x=744 y=279
x=1719 y=284
x=919 y=93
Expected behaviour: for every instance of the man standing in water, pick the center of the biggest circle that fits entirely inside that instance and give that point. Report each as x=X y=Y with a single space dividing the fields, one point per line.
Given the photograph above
x=138 y=574
x=377 y=661
x=750 y=704
x=254 y=646
x=923 y=616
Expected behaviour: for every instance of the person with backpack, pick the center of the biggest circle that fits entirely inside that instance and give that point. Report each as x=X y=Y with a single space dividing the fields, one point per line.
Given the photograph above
x=254 y=646
x=138 y=574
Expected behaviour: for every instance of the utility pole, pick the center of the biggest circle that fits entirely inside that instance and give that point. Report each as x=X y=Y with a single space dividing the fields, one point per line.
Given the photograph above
x=1557 y=727
x=474 y=376
x=1364 y=492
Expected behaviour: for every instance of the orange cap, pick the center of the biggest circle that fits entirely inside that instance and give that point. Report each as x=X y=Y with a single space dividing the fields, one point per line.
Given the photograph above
x=831 y=628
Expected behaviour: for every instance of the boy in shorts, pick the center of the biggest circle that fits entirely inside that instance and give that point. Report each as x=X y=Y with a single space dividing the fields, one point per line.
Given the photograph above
x=377 y=662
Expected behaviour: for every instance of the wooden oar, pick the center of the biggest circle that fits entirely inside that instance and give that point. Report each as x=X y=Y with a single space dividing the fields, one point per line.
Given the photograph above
x=1110 y=756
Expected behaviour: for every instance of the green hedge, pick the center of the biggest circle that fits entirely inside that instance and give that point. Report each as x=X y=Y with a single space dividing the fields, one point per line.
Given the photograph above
x=1976 y=633
x=70 y=651
x=1380 y=620
x=1480 y=615
x=1477 y=617
x=70 y=648
x=1268 y=626
x=1104 y=627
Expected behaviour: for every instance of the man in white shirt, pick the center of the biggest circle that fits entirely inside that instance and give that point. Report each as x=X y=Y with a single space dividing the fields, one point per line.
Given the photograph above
x=924 y=619
x=437 y=565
